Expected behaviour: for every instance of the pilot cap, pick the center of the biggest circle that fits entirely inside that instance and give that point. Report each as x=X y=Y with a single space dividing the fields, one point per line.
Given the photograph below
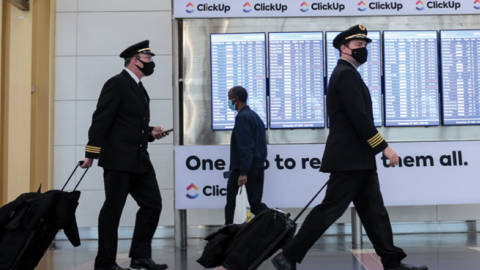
x=355 y=32
x=141 y=47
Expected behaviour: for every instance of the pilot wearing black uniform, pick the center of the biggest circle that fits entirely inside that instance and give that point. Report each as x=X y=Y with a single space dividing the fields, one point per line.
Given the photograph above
x=349 y=156
x=118 y=138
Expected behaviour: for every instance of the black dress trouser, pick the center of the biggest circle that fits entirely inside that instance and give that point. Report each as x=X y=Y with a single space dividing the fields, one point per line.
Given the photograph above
x=363 y=188
x=145 y=191
x=255 y=178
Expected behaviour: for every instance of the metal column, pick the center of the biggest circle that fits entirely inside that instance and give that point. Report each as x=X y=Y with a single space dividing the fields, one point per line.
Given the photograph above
x=356 y=229
x=180 y=228
x=180 y=215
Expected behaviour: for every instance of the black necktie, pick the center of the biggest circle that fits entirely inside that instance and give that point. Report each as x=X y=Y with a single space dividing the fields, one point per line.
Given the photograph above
x=143 y=90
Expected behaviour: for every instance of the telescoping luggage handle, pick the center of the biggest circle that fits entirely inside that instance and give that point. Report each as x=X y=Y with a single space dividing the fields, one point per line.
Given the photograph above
x=283 y=234
x=79 y=181
x=305 y=208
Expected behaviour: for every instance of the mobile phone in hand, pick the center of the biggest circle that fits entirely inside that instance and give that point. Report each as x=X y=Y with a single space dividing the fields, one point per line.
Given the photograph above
x=168 y=130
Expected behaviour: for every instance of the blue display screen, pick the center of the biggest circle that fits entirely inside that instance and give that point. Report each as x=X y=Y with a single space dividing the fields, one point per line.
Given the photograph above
x=371 y=71
x=237 y=60
x=460 y=76
x=411 y=78
x=296 y=80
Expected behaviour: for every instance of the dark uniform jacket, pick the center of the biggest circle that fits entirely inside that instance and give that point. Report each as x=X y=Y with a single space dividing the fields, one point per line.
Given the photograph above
x=120 y=133
x=353 y=140
x=248 y=145
x=40 y=214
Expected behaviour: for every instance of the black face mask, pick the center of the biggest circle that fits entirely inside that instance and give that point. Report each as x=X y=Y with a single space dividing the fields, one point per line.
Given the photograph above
x=360 y=55
x=147 y=69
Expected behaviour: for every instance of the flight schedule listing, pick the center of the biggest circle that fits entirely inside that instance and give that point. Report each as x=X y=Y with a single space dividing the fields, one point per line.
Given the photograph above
x=461 y=76
x=296 y=80
x=237 y=59
x=411 y=78
x=370 y=71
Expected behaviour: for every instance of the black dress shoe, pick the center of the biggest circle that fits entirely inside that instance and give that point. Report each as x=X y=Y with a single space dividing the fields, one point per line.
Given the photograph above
x=148 y=264
x=282 y=263
x=111 y=268
x=403 y=266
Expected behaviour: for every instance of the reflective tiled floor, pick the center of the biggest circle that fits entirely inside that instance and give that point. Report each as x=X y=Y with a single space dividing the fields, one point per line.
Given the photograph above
x=460 y=251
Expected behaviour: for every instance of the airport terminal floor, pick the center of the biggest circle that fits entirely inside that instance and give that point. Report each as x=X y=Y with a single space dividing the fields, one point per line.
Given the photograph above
x=456 y=251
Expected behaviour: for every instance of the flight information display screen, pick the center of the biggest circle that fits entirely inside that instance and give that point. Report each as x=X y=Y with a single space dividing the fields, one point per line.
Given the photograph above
x=296 y=80
x=411 y=78
x=461 y=76
x=237 y=59
x=371 y=71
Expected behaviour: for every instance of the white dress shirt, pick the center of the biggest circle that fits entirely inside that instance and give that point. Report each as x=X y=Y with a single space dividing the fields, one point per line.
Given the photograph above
x=137 y=80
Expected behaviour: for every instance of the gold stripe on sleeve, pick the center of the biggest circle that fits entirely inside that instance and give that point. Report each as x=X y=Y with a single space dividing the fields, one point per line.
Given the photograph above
x=379 y=139
x=92 y=149
x=374 y=137
x=377 y=143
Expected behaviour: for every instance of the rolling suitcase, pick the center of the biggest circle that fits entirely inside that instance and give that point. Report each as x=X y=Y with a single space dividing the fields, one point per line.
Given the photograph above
x=262 y=237
x=29 y=224
x=213 y=254
x=257 y=240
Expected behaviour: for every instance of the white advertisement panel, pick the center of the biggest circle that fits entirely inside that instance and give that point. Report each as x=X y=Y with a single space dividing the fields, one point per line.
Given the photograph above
x=429 y=174
x=302 y=8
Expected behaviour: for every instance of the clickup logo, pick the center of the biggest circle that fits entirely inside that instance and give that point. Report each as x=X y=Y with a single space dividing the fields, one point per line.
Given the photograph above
x=190 y=8
x=385 y=5
x=477 y=7
x=194 y=187
x=208 y=7
x=443 y=4
x=304 y=7
x=421 y=7
x=245 y=7
x=360 y=4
